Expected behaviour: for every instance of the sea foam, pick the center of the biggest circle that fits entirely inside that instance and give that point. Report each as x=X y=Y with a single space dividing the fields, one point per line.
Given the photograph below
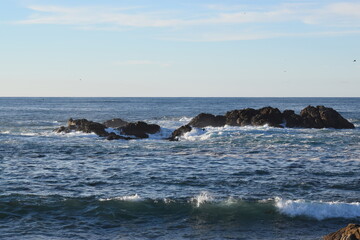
x=318 y=209
x=129 y=198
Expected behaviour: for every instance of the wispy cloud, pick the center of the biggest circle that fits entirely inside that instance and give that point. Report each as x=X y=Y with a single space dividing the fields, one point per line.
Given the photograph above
x=142 y=62
x=239 y=17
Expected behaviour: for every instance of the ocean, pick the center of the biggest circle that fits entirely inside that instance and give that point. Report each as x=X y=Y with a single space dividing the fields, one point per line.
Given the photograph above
x=214 y=183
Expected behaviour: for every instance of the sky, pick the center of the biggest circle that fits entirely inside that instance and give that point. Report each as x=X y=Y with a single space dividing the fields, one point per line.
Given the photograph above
x=187 y=48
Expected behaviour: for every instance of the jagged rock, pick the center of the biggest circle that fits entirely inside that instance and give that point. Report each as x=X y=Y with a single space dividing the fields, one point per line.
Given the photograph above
x=115 y=123
x=323 y=117
x=241 y=117
x=207 y=120
x=180 y=132
x=114 y=136
x=139 y=129
x=250 y=116
x=83 y=125
x=267 y=115
x=350 y=232
x=292 y=119
x=311 y=117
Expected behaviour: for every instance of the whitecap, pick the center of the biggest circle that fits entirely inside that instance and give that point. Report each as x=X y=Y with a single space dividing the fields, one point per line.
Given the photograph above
x=129 y=198
x=318 y=209
x=202 y=198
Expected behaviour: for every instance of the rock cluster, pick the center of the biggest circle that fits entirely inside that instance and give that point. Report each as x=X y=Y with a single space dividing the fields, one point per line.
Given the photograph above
x=130 y=130
x=310 y=117
x=350 y=232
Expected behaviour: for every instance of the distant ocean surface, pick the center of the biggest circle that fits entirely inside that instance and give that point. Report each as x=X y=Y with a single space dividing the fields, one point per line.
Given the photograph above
x=216 y=183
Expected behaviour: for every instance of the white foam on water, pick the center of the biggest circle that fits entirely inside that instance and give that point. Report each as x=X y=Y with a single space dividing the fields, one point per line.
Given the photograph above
x=318 y=209
x=197 y=134
x=163 y=133
x=130 y=198
x=185 y=119
x=202 y=198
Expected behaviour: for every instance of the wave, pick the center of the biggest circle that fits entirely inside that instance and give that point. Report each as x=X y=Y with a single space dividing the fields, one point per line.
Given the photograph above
x=317 y=209
x=203 y=206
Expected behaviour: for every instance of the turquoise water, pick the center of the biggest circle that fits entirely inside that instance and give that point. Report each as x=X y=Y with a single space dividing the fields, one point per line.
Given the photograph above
x=216 y=183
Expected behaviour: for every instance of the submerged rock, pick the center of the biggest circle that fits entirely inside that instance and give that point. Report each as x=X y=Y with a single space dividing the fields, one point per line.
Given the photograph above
x=350 y=232
x=207 y=120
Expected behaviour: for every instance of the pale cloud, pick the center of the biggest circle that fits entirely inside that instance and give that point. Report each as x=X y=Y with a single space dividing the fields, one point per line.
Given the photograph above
x=214 y=37
x=204 y=26
x=342 y=14
x=142 y=62
x=93 y=16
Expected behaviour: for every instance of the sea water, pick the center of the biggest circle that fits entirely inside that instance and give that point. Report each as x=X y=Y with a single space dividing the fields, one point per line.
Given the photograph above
x=214 y=183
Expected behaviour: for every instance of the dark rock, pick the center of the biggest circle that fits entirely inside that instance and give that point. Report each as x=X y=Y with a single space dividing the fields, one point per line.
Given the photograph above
x=207 y=120
x=139 y=129
x=292 y=119
x=241 y=117
x=323 y=117
x=114 y=136
x=267 y=115
x=311 y=117
x=180 y=132
x=86 y=126
x=250 y=116
x=115 y=123
x=62 y=129
x=350 y=232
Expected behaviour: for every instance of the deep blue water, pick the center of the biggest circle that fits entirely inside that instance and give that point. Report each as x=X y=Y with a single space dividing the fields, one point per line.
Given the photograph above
x=217 y=183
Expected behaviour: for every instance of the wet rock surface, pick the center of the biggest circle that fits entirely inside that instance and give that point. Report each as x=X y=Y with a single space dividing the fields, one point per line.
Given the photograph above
x=139 y=129
x=180 y=132
x=350 y=232
x=207 y=120
x=115 y=123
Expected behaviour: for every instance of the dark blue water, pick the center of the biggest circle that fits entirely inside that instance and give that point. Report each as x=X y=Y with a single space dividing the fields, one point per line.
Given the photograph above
x=217 y=183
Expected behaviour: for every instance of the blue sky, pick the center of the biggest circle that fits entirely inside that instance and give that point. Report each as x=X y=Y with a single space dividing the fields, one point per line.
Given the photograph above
x=201 y=48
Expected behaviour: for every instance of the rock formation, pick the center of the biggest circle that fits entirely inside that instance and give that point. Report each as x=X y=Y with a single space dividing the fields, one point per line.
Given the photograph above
x=139 y=129
x=115 y=123
x=131 y=130
x=180 y=132
x=83 y=125
x=207 y=120
x=310 y=117
x=350 y=232
x=323 y=117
